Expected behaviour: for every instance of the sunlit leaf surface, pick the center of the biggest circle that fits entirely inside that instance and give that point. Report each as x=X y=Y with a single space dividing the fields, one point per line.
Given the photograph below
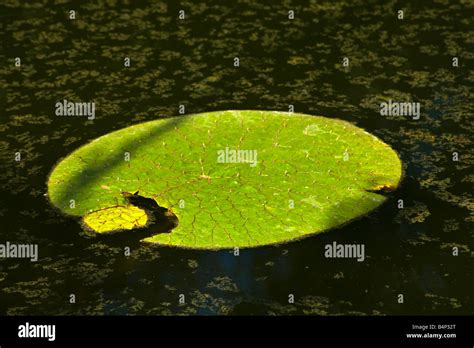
x=300 y=175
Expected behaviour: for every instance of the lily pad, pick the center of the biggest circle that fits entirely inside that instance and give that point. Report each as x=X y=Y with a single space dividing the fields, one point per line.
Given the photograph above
x=116 y=218
x=232 y=178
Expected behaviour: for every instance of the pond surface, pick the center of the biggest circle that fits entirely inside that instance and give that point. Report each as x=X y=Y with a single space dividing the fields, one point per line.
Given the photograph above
x=191 y=62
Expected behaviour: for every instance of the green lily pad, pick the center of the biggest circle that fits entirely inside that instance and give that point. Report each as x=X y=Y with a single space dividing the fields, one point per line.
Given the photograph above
x=232 y=178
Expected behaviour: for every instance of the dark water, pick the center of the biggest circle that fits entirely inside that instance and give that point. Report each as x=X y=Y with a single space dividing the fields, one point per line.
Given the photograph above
x=283 y=62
